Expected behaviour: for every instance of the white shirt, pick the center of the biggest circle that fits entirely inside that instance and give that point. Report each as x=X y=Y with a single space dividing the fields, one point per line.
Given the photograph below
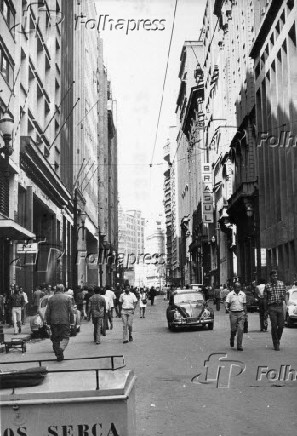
x=128 y=300
x=25 y=297
x=237 y=300
x=261 y=290
x=110 y=294
x=107 y=299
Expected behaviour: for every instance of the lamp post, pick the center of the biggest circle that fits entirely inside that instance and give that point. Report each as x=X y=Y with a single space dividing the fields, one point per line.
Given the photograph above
x=6 y=127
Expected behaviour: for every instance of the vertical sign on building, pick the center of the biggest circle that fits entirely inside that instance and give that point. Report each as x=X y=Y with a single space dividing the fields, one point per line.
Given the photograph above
x=207 y=200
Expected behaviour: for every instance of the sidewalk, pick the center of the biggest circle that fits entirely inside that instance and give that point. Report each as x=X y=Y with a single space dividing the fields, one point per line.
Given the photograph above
x=9 y=333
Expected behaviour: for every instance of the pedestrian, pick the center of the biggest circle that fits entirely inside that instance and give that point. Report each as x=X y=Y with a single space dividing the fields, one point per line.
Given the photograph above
x=153 y=293
x=37 y=295
x=24 y=309
x=259 y=292
x=236 y=303
x=17 y=302
x=274 y=297
x=129 y=302
x=59 y=316
x=97 y=305
x=111 y=295
x=142 y=302
x=217 y=298
x=80 y=302
x=117 y=303
x=107 y=320
x=88 y=295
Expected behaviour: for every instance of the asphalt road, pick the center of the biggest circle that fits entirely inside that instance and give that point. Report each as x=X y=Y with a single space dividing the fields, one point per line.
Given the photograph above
x=172 y=399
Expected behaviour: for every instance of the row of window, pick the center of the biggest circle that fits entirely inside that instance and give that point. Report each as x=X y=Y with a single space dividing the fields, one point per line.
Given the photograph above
x=6 y=68
x=7 y=10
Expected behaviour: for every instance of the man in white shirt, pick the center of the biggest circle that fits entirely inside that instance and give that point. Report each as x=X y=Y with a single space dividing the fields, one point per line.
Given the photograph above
x=236 y=303
x=24 y=310
x=111 y=296
x=129 y=302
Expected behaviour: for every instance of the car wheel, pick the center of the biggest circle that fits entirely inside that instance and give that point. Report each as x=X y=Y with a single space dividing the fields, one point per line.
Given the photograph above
x=74 y=331
x=289 y=322
x=169 y=325
x=78 y=328
x=210 y=326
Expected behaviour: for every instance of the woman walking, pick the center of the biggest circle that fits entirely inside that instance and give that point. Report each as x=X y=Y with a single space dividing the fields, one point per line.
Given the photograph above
x=142 y=302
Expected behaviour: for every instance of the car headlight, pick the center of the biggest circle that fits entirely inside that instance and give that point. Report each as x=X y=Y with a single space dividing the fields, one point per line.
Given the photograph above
x=177 y=315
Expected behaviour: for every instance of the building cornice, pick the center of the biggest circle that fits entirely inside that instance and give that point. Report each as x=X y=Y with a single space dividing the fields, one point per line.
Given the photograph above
x=265 y=27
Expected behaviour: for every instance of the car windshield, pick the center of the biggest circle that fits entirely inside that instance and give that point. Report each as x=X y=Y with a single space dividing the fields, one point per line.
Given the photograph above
x=192 y=297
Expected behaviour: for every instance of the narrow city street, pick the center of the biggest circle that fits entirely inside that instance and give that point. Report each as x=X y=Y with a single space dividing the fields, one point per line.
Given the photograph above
x=168 y=403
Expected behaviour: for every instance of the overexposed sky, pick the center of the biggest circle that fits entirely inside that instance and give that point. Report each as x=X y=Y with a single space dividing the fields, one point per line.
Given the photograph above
x=136 y=62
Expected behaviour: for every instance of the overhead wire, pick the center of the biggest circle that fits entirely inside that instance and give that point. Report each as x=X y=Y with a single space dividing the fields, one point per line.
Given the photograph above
x=164 y=82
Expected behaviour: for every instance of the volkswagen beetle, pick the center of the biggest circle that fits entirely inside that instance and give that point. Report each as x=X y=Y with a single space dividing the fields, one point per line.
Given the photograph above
x=188 y=308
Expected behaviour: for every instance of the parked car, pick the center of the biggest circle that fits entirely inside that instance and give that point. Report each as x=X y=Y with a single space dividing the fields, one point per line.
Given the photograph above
x=188 y=308
x=291 y=309
x=38 y=327
x=252 y=301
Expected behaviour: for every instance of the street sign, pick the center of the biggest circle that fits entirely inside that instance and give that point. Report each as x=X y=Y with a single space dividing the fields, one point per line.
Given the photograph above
x=27 y=248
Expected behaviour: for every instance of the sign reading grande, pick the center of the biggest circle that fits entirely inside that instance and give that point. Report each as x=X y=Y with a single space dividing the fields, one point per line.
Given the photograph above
x=207 y=193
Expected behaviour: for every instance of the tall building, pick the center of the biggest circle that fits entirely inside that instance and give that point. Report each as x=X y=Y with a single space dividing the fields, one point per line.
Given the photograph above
x=171 y=210
x=274 y=52
x=49 y=182
x=130 y=242
x=156 y=264
x=189 y=157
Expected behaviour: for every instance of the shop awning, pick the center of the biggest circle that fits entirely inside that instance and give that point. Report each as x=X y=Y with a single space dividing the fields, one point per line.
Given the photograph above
x=12 y=230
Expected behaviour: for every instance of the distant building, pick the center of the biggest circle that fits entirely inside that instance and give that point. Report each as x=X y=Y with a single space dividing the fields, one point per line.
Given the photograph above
x=156 y=259
x=130 y=240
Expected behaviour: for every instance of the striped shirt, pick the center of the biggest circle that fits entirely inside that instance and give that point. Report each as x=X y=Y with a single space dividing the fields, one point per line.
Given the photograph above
x=275 y=293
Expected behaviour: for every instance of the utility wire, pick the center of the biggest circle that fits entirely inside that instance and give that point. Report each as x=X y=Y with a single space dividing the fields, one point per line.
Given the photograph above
x=12 y=91
x=164 y=82
x=72 y=109
x=47 y=126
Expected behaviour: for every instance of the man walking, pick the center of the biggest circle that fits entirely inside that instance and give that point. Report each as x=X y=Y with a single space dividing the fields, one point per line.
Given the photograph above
x=274 y=294
x=37 y=295
x=129 y=302
x=97 y=305
x=259 y=292
x=236 y=303
x=24 y=309
x=59 y=315
x=17 y=302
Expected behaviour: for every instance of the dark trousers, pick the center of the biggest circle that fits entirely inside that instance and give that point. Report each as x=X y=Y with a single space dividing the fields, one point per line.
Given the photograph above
x=118 y=308
x=97 y=329
x=276 y=315
x=218 y=303
x=152 y=300
x=263 y=314
x=60 y=337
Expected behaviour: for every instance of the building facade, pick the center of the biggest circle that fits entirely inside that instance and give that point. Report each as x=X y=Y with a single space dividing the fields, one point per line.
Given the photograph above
x=274 y=53
x=49 y=183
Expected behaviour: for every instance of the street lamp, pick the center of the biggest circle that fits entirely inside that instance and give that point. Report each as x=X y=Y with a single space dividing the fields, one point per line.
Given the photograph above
x=6 y=127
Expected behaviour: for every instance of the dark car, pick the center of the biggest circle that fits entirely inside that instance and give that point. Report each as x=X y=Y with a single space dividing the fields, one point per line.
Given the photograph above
x=188 y=308
x=252 y=301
